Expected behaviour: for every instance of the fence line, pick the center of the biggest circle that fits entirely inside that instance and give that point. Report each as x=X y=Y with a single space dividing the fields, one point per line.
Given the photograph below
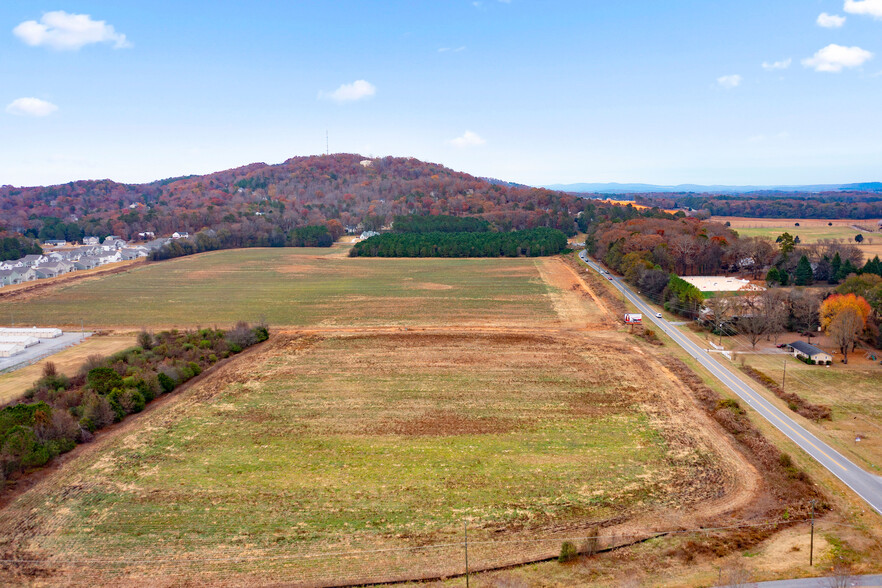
x=256 y=565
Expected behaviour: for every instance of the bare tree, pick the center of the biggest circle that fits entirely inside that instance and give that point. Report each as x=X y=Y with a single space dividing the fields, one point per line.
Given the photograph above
x=737 y=576
x=751 y=322
x=773 y=309
x=844 y=329
x=684 y=248
x=805 y=305
x=841 y=575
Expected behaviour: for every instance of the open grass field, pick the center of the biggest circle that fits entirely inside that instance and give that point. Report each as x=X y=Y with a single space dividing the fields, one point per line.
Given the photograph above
x=852 y=391
x=809 y=230
x=321 y=445
x=299 y=287
x=67 y=362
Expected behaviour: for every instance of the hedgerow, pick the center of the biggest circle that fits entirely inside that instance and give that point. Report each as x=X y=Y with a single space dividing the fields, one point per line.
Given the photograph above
x=58 y=412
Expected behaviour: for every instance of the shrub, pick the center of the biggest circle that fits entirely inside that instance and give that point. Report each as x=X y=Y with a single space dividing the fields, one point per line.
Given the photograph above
x=96 y=412
x=92 y=362
x=730 y=404
x=241 y=336
x=145 y=340
x=261 y=333
x=568 y=552
x=103 y=379
x=146 y=390
x=165 y=382
x=194 y=367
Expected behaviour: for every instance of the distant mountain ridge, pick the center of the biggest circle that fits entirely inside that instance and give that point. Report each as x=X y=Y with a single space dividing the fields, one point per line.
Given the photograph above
x=617 y=188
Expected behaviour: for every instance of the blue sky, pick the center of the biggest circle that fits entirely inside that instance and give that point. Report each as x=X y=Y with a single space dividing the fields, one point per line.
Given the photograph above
x=535 y=92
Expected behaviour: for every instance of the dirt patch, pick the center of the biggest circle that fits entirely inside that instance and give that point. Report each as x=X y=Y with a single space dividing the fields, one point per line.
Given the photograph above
x=430 y=286
x=573 y=299
x=439 y=423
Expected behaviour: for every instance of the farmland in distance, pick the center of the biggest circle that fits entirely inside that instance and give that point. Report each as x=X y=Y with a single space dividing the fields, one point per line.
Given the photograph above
x=297 y=287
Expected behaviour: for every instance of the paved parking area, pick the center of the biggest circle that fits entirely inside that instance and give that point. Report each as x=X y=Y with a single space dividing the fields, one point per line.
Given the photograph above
x=45 y=348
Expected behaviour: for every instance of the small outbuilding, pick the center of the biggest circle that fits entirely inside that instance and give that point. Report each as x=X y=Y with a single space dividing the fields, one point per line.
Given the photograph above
x=810 y=353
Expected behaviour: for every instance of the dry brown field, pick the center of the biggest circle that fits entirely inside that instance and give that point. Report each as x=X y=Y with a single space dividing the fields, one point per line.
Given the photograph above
x=342 y=443
x=353 y=449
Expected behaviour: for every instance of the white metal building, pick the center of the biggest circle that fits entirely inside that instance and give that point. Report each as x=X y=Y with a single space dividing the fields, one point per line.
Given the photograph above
x=31 y=332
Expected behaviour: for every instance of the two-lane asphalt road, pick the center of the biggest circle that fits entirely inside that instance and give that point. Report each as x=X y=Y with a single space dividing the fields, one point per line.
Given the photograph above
x=868 y=486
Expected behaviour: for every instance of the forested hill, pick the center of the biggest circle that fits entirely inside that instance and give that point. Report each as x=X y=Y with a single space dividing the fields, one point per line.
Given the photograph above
x=269 y=200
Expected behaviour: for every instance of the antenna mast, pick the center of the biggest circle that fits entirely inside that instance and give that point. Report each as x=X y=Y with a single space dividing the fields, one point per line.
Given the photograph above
x=327 y=150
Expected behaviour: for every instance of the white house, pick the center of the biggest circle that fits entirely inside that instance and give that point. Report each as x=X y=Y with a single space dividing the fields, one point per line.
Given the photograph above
x=180 y=235
x=801 y=349
x=32 y=260
x=91 y=241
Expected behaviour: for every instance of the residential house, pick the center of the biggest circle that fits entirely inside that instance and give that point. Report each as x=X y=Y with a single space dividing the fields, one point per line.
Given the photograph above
x=180 y=235
x=6 y=277
x=86 y=262
x=33 y=259
x=127 y=253
x=811 y=353
x=44 y=271
x=91 y=241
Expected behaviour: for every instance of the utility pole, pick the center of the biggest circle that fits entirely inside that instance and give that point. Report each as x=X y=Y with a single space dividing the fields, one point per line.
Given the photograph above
x=466 y=527
x=812 y=540
x=784 y=377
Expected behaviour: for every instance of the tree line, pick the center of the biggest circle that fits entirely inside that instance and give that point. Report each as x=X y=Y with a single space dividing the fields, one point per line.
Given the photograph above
x=58 y=412
x=16 y=247
x=853 y=205
x=211 y=240
x=530 y=243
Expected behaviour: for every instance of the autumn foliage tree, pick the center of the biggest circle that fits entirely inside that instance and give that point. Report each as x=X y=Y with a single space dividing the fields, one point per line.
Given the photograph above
x=843 y=317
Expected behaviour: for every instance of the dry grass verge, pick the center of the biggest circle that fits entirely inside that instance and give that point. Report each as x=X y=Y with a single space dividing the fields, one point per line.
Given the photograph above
x=795 y=402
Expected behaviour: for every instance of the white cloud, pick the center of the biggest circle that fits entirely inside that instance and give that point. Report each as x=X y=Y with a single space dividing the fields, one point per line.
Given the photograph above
x=68 y=32
x=866 y=7
x=467 y=139
x=357 y=90
x=451 y=49
x=833 y=58
x=30 y=107
x=830 y=21
x=729 y=81
x=783 y=64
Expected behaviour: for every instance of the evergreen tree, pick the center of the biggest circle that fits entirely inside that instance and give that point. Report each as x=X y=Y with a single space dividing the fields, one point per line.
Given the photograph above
x=873 y=266
x=845 y=270
x=773 y=277
x=803 y=272
x=835 y=266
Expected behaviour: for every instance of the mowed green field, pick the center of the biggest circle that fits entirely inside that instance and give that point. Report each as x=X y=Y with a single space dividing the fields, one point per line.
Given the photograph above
x=331 y=445
x=297 y=287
